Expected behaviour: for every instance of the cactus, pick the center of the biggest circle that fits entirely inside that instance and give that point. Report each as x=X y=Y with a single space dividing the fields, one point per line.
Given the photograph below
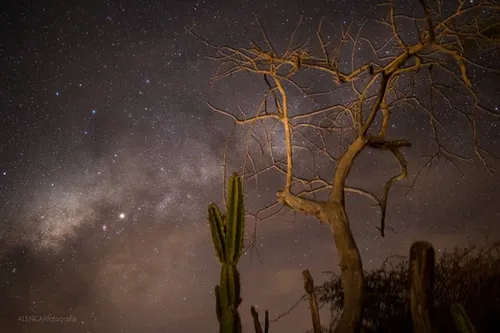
x=227 y=237
x=227 y=231
x=462 y=321
x=313 y=302
x=421 y=280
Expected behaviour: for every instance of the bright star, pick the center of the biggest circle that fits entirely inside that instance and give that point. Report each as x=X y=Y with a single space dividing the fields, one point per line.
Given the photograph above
x=122 y=215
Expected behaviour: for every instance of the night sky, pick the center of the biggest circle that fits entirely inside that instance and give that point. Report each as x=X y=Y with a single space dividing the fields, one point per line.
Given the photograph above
x=109 y=156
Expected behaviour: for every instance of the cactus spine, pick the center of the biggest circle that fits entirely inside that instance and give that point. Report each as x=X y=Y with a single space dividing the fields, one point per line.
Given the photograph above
x=462 y=321
x=227 y=237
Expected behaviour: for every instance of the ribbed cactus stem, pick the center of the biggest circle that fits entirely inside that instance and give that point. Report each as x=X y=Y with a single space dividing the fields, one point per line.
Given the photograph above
x=462 y=321
x=229 y=299
x=216 y=222
x=228 y=231
x=227 y=237
x=218 y=306
x=235 y=220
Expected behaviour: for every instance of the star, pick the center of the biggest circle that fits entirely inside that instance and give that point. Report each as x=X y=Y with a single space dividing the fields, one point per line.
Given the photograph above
x=104 y=238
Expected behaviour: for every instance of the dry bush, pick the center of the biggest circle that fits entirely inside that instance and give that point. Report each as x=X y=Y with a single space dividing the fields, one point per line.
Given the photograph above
x=470 y=276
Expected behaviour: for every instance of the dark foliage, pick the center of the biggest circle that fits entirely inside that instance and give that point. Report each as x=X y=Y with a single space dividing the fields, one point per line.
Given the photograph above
x=469 y=276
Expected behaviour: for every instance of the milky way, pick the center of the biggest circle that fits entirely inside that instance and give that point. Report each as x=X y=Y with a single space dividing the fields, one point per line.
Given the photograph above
x=110 y=156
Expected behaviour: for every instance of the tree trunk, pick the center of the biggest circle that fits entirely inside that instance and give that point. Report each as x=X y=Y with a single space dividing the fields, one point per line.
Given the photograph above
x=351 y=266
x=351 y=271
x=333 y=213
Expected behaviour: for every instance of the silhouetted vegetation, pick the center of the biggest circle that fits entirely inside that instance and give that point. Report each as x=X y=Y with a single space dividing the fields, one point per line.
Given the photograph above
x=458 y=292
x=468 y=276
x=323 y=129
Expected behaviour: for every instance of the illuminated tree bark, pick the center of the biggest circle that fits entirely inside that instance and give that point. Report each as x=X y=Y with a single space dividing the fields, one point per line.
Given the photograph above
x=379 y=86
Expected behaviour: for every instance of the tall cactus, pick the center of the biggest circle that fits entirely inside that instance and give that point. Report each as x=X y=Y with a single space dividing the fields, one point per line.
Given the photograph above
x=462 y=321
x=227 y=237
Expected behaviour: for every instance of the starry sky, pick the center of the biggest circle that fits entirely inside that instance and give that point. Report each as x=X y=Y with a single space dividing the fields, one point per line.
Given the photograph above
x=109 y=156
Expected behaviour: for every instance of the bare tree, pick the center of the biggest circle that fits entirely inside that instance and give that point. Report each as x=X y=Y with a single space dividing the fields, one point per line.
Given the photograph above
x=445 y=42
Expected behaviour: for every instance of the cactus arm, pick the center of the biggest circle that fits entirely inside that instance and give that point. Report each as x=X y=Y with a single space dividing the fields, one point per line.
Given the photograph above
x=216 y=222
x=235 y=220
x=462 y=321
